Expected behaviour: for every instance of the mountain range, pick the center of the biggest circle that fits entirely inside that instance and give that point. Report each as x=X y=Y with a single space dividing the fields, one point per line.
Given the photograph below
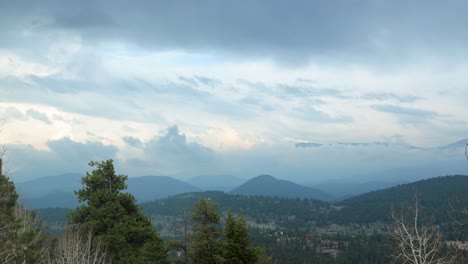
x=58 y=191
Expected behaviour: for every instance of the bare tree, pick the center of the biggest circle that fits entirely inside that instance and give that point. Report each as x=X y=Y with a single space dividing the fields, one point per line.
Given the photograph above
x=23 y=236
x=31 y=226
x=76 y=246
x=418 y=242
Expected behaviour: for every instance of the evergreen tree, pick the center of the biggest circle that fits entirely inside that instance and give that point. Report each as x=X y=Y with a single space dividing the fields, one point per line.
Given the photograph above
x=237 y=246
x=207 y=247
x=115 y=219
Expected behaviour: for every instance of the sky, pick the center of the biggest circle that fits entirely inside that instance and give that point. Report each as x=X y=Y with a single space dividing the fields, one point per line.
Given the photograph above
x=185 y=88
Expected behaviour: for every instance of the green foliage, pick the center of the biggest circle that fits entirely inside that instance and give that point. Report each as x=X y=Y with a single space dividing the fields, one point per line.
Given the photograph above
x=207 y=247
x=262 y=208
x=237 y=242
x=8 y=198
x=115 y=219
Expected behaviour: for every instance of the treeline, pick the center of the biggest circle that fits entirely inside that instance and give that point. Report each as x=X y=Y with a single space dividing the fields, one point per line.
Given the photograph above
x=285 y=212
x=293 y=247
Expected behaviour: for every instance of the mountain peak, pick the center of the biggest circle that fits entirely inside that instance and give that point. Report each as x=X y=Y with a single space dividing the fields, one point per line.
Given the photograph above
x=265 y=177
x=267 y=185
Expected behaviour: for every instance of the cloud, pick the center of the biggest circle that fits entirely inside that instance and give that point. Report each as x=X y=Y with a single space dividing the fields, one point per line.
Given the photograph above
x=308 y=145
x=406 y=114
x=70 y=150
x=207 y=81
x=391 y=96
x=134 y=142
x=249 y=101
x=311 y=114
x=12 y=113
x=65 y=155
x=39 y=116
x=172 y=153
x=292 y=33
x=287 y=91
x=172 y=145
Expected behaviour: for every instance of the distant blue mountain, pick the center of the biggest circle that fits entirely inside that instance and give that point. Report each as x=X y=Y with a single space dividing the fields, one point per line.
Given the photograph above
x=42 y=186
x=266 y=185
x=148 y=188
x=58 y=191
x=223 y=183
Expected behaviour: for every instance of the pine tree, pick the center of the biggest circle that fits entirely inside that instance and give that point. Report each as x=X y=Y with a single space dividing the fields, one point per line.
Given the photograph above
x=207 y=247
x=237 y=246
x=115 y=219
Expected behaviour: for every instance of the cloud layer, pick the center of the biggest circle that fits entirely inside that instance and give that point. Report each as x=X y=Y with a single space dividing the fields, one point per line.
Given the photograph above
x=242 y=87
x=291 y=32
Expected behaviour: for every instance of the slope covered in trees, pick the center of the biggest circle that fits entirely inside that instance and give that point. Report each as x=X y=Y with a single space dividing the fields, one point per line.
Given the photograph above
x=434 y=195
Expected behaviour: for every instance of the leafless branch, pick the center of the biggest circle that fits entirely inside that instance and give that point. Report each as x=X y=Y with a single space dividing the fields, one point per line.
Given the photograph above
x=76 y=246
x=418 y=242
x=24 y=233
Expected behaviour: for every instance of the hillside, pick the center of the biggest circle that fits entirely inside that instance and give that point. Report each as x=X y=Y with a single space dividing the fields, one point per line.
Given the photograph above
x=148 y=188
x=266 y=185
x=223 y=183
x=257 y=208
x=42 y=186
x=434 y=194
x=344 y=188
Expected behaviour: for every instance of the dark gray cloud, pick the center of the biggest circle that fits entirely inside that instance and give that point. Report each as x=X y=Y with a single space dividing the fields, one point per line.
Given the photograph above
x=39 y=116
x=292 y=32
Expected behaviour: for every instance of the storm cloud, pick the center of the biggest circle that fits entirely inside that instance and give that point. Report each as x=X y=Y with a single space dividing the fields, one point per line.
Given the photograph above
x=290 y=32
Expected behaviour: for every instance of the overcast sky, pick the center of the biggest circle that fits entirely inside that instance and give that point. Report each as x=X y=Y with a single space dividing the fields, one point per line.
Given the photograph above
x=185 y=88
